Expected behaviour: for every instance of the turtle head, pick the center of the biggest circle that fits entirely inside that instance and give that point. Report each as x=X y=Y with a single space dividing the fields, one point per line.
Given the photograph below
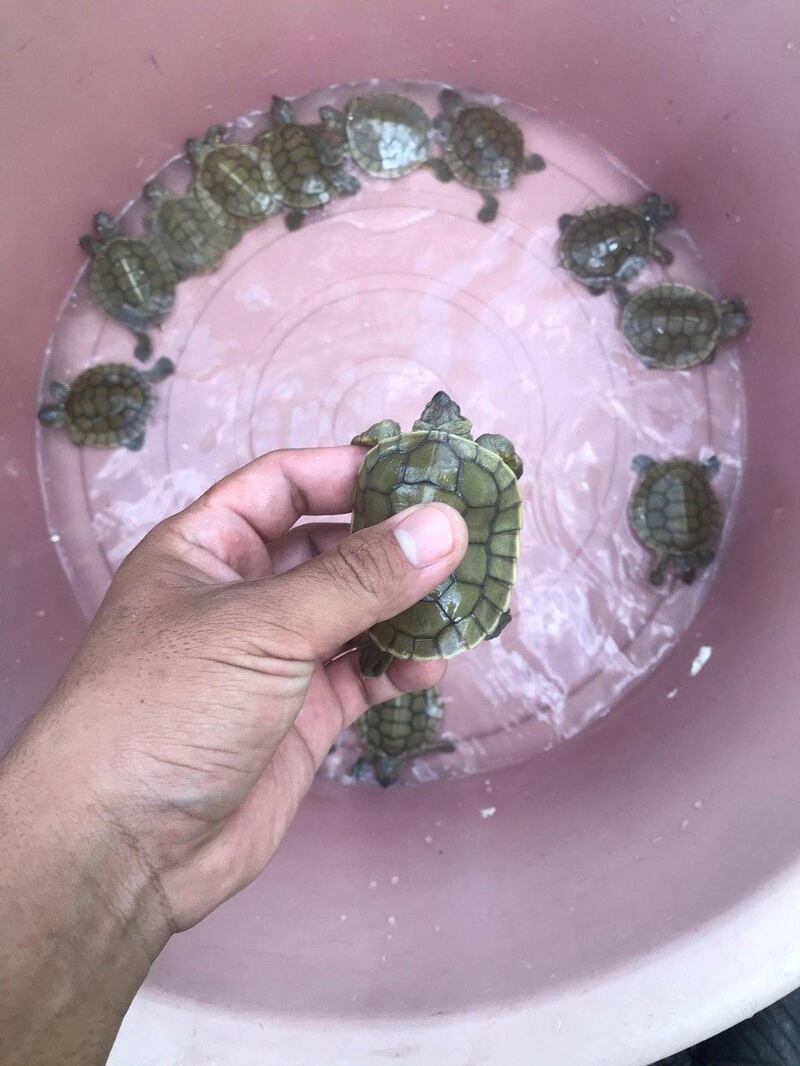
x=154 y=192
x=656 y=212
x=281 y=111
x=444 y=414
x=640 y=464
x=502 y=446
x=384 y=430
x=452 y=103
x=52 y=414
x=333 y=119
x=104 y=226
x=387 y=769
x=735 y=317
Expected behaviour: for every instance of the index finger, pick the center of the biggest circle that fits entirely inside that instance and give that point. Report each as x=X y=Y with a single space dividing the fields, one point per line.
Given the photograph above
x=273 y=491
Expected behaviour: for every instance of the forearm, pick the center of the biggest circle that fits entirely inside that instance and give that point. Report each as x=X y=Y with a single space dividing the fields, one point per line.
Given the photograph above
x=80 y=918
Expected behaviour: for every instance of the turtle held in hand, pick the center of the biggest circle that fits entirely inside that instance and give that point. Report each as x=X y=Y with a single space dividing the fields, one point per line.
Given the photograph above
x=674 y=327
x=131 y=279
x=483 y=149
x=608 y=245
x=400 y=729
x=229 y=181
x=387 y=135
x=106 y=406
x=675 y=513
x=302 y=164
x=193 y=240
x=439 y=461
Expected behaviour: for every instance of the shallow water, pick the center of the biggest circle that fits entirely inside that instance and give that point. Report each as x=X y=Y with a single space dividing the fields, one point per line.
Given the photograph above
x=306 y=338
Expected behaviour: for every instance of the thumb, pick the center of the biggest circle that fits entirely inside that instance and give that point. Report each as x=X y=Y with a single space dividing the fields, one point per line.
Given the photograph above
x=372 y=575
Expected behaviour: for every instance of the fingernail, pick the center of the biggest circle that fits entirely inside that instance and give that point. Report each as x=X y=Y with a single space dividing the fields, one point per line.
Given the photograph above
x=424 y=536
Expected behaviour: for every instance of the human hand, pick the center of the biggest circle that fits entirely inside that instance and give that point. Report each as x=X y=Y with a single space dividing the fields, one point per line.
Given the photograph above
x=208 y=689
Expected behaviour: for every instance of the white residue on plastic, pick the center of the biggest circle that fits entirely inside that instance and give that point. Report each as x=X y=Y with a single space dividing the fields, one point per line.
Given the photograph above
x=54 y=538
x=700 y=660
x=488 y=812
x=673 y=692
x=698 y=804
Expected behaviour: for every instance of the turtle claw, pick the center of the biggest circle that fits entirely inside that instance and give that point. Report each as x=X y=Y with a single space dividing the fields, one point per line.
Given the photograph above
x=533 y=163
x=294 y=219
x=136 y=444
x=144 y=346
x=372 y=661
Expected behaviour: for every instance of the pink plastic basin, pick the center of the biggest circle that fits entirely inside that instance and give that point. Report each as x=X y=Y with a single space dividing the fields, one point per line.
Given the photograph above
x=637 y=888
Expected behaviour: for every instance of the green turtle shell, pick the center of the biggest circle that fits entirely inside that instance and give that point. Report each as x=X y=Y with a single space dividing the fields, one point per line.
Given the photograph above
x=672 y=327
x=431 y=465
x=607 y=243
x=403 y=726
x=132 y=277
x=387 y=134
x=231 y=187
x=295 y=176
x=674 y=510
x=193 y=240
x=484 y=149
x=108 y=406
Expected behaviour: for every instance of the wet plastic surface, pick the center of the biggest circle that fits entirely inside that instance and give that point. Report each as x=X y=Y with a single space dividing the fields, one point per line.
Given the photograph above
x=374 y=305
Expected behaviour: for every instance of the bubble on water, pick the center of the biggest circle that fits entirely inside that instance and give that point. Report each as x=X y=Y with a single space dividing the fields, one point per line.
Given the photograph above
x=394 y=880
x=391 y=920
x=684 y=824
x=372 y=884
x=54 y=538
x=672 y=694
x=488 y=812
x=342 y=917
x=428 y=840
x=700 y=660
x=697 y=804
x=437 y=929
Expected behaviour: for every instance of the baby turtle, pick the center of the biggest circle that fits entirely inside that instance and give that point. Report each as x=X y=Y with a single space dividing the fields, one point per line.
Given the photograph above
x=439 y=461
x=387 y=134
x=131 y=279
x=302 y=164
x=609 y=244
x=400 y=729
x=675 y=512
x=106 y=406
x=673 y=327
x=194 y=242
x=229 y=181
x=483 y=149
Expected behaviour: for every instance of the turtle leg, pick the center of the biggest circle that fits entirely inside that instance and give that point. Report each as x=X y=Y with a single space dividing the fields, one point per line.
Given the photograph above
x=294 y=218
x=642 y=463
x=687 y=569
x=735 y=317
x=658 y=574
x=333 y=119
x=345 y=184
x=712 y=465
x=502 y=622
x=440 y=170
x=441 y=747
x=387 y=770
x=533 y=163
x=58 y=390
x=357 y=769
x=488 y=213
x=160 y=370
x=281 y=111
x=372 y=661
x=564 y=222
x=661 y=254
x=51 y=414
x=443 y=125
x=144 y=346
x=375 y=434
x=89 y=244
x=502 y=446
x=621 y=295
x=136 y=444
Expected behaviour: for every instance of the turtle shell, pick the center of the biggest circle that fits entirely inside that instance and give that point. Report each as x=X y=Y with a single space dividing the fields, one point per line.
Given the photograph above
x=606 y=243
x=295 y=176
x=484 y=149
x=231 y=186
x=387 y=134
x=674 y=509
x=431 y=465
x=193 y=240
x=402 y=726
x=108 y=405
x=131 y=275
x=672 y=327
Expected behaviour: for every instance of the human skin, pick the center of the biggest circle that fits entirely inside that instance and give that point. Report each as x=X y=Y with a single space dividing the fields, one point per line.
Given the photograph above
x=164 y=770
